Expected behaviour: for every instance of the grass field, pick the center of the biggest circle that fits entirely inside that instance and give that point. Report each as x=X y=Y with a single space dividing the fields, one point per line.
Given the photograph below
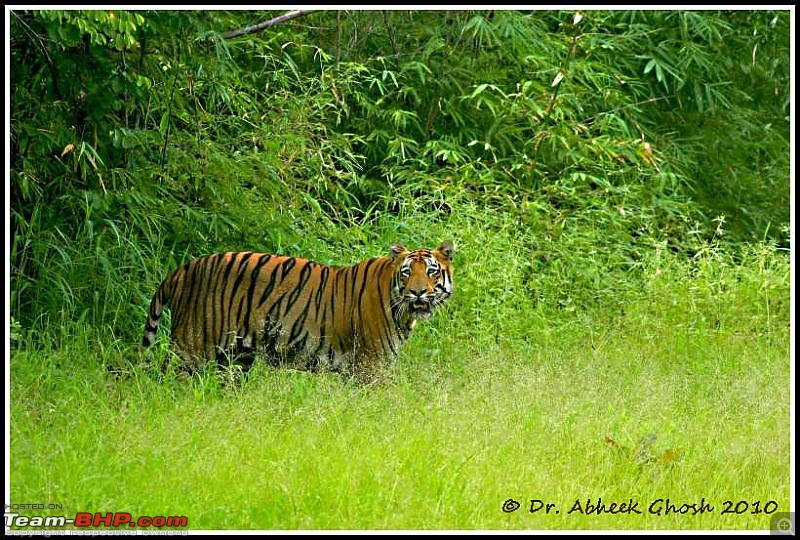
x=682 y=396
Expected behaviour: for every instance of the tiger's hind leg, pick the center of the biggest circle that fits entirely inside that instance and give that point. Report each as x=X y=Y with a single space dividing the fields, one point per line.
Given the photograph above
x=235 y=363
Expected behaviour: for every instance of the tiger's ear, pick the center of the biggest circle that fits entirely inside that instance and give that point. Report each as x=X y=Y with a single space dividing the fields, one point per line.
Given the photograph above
x=397 y=250
x=447 y=249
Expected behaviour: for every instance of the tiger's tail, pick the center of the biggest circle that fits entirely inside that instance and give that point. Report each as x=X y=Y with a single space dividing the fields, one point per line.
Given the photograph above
x=160 y=300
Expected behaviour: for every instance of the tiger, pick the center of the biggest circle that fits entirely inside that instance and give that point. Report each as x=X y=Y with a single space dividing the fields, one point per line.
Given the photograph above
x=231 y=307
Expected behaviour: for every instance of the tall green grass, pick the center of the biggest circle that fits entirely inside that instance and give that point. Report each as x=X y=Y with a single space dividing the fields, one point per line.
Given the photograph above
x=679 y=390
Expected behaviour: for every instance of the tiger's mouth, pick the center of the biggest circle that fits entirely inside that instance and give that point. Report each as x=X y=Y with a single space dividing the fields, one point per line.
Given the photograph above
x=421 y=309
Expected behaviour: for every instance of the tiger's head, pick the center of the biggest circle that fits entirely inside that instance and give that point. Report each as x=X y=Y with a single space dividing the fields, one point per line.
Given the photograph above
x=423 y=278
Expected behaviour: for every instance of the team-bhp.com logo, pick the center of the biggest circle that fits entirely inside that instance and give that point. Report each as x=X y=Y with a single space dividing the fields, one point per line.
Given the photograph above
x=97 y=519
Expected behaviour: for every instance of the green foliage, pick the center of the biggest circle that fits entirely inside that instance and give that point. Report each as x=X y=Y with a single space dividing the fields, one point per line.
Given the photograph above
x=603 y=134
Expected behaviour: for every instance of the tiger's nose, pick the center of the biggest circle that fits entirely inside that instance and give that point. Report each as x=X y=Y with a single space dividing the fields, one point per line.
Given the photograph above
x=419 y=293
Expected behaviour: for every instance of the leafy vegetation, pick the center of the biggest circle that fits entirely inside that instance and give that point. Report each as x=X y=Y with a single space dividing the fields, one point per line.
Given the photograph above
x=617 y=183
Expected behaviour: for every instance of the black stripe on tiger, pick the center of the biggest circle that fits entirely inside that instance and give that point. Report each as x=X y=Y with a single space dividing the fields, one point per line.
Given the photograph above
x=262 y=260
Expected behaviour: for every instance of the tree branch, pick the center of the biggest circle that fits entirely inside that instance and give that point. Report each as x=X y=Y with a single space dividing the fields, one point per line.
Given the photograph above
x=266 y=24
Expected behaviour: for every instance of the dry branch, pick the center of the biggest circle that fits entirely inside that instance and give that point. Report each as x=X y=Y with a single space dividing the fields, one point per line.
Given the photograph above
x=266 y=24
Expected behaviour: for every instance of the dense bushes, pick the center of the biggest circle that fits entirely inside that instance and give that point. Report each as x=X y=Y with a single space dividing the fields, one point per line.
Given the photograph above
x=138 y=138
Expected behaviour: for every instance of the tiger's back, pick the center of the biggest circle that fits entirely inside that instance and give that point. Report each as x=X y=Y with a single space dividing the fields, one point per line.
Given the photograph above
x=298 y=312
